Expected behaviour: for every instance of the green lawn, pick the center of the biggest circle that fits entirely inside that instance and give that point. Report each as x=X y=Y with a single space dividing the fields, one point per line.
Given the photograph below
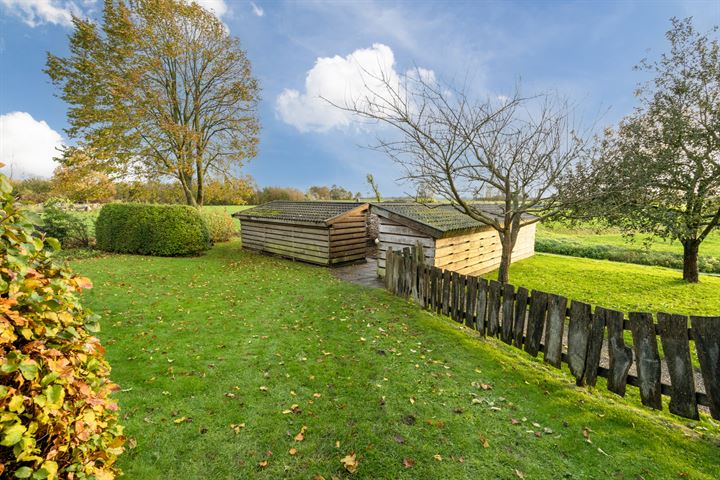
x=589 y=235
x=222 y=359
x=620 y=286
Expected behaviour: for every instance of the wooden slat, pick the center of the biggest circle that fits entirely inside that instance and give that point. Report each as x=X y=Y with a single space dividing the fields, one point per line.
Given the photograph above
x=289 y=244
x=521 y=301
x=706 y=333
x=481 y=309
x=494 y=299
x=508 y=306
x=621 y=356
x=594 y=348
x=557 y=305
x=447 y=282
x=284 y=227
x=647 y=358
x=287 y=239
x=578 y=338
x=293 y=255
x=536 y=322
x=676 y=347
x=347 y=231
x=302 y=237
x=471 y=297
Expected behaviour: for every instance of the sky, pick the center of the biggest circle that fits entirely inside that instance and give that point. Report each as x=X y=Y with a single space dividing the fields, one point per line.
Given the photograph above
x=302 y=50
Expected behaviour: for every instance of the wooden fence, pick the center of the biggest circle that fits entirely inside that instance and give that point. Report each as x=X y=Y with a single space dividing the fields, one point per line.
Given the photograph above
x=536 y=322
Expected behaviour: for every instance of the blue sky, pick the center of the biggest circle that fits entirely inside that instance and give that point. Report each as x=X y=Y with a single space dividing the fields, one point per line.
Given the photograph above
x=584 y=50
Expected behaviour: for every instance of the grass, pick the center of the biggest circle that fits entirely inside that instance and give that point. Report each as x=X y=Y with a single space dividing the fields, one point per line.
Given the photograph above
x=620 y=286
x=590 y=235
x=199 y=345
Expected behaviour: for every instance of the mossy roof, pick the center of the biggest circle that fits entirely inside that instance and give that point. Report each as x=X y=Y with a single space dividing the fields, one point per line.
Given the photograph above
x=440 y=219
x=318 y=213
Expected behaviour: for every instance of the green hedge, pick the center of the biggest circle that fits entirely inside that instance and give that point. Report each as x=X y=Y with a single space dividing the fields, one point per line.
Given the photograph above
x=620 y=254
x=162 y=230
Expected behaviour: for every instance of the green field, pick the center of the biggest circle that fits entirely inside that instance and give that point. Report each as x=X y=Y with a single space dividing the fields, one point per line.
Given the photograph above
x=603 y=236
x=223 y=359
x=620 y=286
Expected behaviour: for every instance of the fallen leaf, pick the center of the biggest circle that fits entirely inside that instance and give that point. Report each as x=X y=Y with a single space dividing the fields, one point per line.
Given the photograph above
x=301 y=435
x=538 y=434
x=514 y=421
x=437 y=457
x=293 y=451
x=518 y=473
x=484 y=441
x=263 y=388
x=263 y=464
x=132 y=443
x=182 y=420
x=408 y=462
x=317 y=395
x=350 y=463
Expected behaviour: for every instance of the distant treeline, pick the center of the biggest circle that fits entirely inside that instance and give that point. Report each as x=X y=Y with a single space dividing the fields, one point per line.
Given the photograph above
x=230 y=191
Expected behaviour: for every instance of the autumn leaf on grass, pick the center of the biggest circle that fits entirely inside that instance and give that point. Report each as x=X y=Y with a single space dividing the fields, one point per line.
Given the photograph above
x=350 y=463
x=484 y=441
x=438 y=457
x=182 y=420
x=518 y=473
x=293 y=451
x=263 y=388
x=237 y=427
x=301 y=435
x=294 y=408
x=408 y=462
x=263 y=464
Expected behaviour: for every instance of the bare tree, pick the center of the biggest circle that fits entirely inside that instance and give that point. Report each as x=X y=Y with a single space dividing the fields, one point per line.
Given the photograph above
x=459 y=147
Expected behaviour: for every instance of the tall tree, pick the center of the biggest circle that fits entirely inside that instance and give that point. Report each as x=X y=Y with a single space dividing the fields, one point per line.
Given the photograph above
x=374 y=187
x=659 y=171
x=159 y=88
x=455 y=147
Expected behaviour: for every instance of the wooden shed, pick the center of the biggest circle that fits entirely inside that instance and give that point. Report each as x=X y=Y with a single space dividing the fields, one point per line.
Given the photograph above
x=324 y=233
x=451 y=240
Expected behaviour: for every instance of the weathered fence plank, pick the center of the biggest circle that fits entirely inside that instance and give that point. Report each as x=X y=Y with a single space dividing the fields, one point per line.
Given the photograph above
x=557 y=306
x=456 y=294
x=647 y=358
x=494 y=299
x=508 y=305
x=445 y=301
x=706 y=333
x=673 y=331
x=433 y=288
x=481 y=311
x=594 y=348
x=578 y=338
x=521 y=301
x=471 y=297
x=621 y=356
x=536 y=322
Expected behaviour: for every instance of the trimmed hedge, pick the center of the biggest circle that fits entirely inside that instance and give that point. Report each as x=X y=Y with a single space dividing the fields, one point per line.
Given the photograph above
x=162 y=230
x=220 y=225
x=620 y=254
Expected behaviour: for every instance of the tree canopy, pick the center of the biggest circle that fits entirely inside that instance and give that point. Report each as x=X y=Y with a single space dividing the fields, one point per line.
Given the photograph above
x=159 y=89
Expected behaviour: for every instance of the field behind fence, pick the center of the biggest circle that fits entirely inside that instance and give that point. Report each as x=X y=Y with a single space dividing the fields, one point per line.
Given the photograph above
x=537 y=322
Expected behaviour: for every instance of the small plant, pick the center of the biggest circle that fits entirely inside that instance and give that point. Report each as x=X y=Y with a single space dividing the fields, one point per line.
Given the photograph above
x=57 y=419
x=71 y=228
x=163 y=230
x=220 y=225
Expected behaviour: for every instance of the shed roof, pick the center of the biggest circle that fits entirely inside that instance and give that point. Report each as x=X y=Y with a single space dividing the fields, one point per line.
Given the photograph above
x=315 y=213
x=438 y=220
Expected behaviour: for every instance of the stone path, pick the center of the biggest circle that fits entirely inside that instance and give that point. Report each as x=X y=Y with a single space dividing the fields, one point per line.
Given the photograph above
x=360 y=274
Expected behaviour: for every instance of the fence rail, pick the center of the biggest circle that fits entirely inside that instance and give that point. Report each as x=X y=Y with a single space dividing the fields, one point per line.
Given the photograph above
x=536 y=322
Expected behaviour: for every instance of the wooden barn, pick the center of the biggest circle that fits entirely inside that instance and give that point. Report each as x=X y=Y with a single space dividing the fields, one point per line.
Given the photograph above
x=324 y=233
x=451 y=240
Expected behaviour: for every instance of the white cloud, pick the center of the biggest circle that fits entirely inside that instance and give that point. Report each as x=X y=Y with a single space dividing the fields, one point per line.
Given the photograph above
x=27 y=146
x=257 y=10
x=218 y=7
x=340 y=80
x=38 y=12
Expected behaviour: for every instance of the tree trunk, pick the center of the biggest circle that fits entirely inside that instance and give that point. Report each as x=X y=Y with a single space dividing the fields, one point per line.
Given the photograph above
x=690 y=260
x=505 y=257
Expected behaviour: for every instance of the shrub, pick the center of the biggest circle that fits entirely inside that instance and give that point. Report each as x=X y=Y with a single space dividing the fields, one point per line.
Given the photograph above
x=73 y=229
x=57 y=419
x=220 y=225
x=164 y=230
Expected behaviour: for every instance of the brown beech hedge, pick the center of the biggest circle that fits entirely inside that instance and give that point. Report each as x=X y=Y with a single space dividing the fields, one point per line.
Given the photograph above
x=57 y=417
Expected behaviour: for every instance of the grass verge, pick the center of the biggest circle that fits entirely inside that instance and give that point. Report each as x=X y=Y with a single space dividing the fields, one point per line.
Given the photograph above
x=223 y=359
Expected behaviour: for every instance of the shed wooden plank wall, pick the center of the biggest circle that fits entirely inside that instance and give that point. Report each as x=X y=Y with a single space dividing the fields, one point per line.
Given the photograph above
x=391 y=234
x=479 y=252
x=307 y=243
x=348 y=238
